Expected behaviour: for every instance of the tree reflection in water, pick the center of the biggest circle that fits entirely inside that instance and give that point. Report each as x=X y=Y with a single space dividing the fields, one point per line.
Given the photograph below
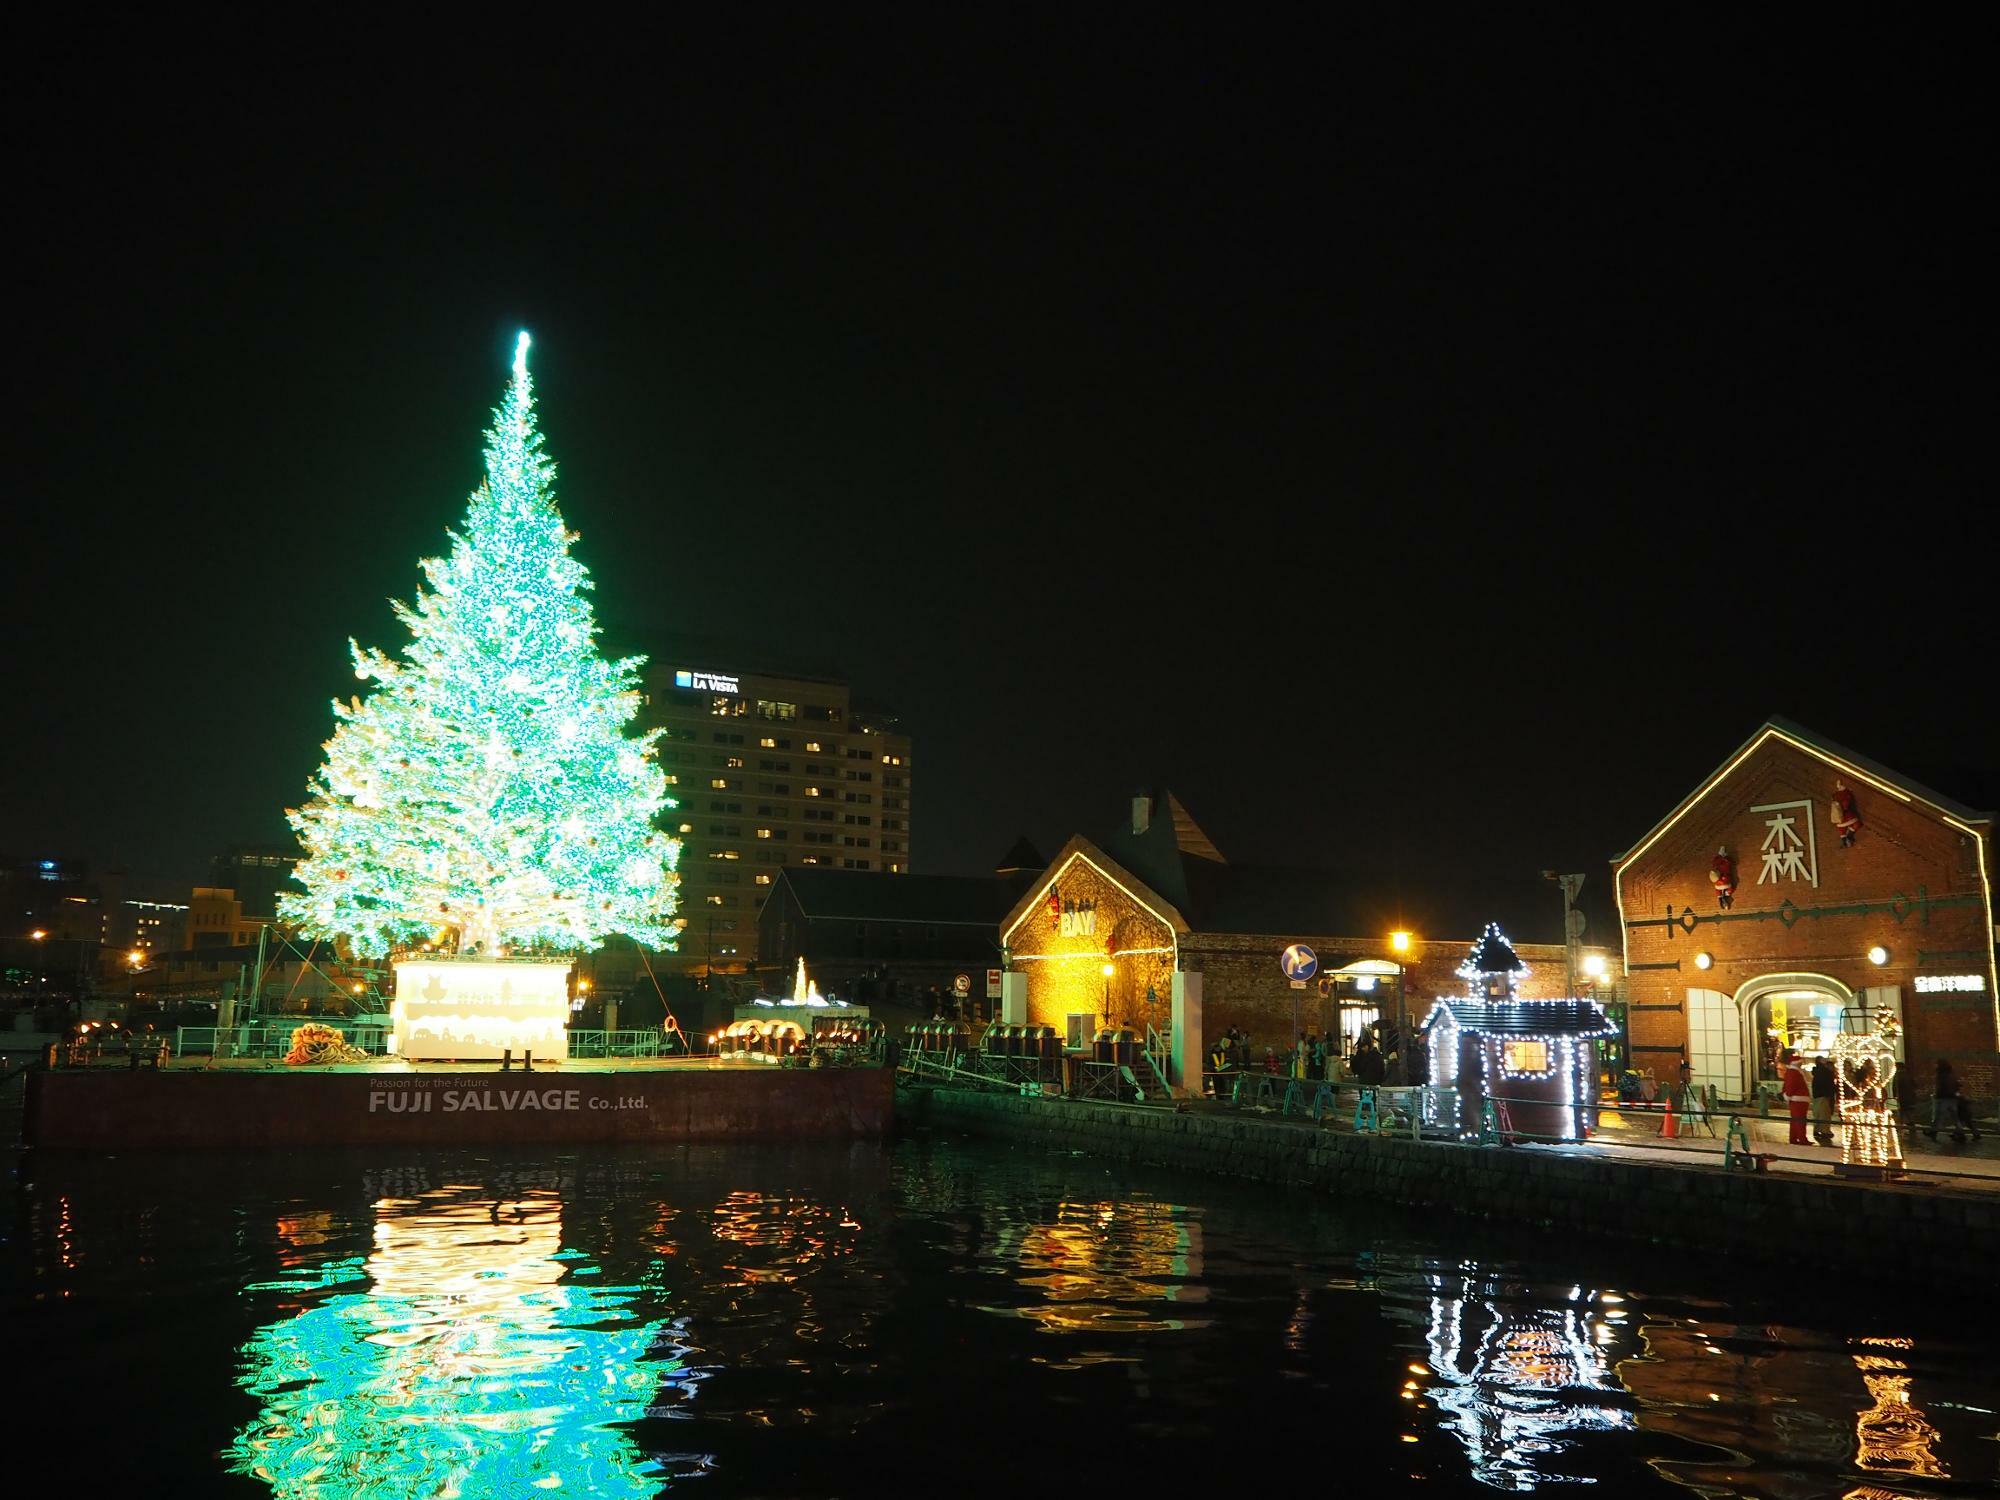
x=477 y=1362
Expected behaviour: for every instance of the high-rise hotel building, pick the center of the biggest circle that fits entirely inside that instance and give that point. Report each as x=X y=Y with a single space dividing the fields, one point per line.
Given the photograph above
x=769 y=771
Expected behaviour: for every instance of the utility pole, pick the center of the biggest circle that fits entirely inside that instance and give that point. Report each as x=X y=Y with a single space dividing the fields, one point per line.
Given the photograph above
x=1573 y=924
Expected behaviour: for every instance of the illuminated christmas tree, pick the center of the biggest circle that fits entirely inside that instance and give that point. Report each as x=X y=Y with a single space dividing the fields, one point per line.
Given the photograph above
x=486 y=787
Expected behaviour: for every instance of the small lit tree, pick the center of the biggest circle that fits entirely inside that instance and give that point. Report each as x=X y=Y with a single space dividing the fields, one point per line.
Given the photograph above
x=486 y=786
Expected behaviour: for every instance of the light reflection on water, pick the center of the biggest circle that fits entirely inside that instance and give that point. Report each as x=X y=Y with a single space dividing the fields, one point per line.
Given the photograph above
x=1103 y=1268
x=1784 y=1411
x=477 y=1360
x=832 y=1321
x=1513 y=1373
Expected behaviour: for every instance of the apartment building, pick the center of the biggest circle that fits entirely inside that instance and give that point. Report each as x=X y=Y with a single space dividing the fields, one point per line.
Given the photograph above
x=770 y=770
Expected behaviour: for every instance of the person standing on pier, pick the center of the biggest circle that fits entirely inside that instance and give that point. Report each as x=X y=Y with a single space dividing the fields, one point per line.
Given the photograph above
x=1798 y=1098
x=1370 y=1067
x=1948 y=1098
x=1824 y=1087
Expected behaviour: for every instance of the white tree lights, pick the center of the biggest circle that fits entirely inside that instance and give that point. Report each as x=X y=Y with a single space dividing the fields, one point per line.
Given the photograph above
x=486 y=786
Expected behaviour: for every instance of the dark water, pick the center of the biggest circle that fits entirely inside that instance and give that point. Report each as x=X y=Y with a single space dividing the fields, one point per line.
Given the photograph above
x=936 y=1317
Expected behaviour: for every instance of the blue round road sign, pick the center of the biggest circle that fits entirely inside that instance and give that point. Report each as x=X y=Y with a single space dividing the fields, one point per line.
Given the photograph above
x=1299 y=962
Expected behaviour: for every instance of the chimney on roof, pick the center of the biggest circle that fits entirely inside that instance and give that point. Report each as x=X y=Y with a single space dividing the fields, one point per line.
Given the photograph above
x=1142 y=812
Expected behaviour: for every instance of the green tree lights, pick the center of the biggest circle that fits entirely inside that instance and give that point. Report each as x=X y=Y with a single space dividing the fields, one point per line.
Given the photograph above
x=486 y=784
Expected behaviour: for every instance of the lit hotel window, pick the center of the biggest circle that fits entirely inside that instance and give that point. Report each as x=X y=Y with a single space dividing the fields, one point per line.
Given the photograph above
x=687 y=828
x=763 y=833
x=763 y=880
x=714 y=900
x=719 y=783
x=767 y=743
x=813 y=746
x=673 y=780
x=736 y=762
x=812 y=791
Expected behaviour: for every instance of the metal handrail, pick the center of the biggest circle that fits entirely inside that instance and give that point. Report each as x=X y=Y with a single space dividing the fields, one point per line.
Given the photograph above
x=634 y=1043
x=928 y=1064
x=1157 y=1049
x=259 y=1039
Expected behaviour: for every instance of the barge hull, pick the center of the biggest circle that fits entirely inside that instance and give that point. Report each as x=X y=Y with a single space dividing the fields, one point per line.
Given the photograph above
x=194 y=1109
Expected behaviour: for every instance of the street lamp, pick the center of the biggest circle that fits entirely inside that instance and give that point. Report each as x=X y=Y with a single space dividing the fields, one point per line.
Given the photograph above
x=1612 y=1051
x=1399 y=944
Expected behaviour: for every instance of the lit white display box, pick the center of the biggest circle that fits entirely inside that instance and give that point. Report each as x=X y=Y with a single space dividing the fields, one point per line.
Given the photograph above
x=458 y=1009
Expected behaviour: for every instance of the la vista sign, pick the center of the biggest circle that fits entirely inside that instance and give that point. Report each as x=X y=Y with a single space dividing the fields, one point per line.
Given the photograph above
x=705 y=682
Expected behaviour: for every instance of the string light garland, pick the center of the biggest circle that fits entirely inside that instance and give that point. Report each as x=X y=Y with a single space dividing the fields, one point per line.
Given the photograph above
x=1493 y=1011
x=486 y=785
x=1864 y=1070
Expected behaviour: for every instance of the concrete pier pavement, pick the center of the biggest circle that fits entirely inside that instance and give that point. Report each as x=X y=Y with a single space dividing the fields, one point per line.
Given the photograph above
x=1634 y=1135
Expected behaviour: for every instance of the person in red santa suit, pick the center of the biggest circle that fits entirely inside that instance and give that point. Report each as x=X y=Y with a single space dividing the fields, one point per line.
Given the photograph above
x=1798 y=1095
x=1846 y=816
x=1722 y=875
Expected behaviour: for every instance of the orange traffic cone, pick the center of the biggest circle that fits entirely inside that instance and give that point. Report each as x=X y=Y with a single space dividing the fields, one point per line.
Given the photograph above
x=1669 y=1126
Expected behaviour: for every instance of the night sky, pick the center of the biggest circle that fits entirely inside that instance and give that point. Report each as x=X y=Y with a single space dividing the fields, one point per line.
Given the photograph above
x=1420 y=450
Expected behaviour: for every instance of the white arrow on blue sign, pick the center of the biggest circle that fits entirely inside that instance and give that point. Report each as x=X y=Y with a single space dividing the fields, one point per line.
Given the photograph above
x=1299 y=962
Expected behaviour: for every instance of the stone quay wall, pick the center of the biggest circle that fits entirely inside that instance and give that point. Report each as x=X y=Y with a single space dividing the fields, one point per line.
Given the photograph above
x=1917 y=1232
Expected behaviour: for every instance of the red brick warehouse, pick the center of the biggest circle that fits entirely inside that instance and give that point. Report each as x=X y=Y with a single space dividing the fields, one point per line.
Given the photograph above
x=1802 y=889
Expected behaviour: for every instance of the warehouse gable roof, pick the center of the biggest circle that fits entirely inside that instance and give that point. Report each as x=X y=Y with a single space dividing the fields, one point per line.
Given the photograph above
x=1837 y=756
x=926 y=900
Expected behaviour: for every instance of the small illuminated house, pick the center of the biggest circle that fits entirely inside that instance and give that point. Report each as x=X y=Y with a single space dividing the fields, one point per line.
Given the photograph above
x=1535 y=1056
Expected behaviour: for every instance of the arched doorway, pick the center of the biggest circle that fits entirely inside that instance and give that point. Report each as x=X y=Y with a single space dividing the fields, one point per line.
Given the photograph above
x=1804 y=1012
x=1361 y=995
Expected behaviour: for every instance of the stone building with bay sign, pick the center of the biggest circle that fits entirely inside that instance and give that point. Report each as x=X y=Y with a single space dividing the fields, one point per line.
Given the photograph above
x=1152 y=925
x=1800 y=890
